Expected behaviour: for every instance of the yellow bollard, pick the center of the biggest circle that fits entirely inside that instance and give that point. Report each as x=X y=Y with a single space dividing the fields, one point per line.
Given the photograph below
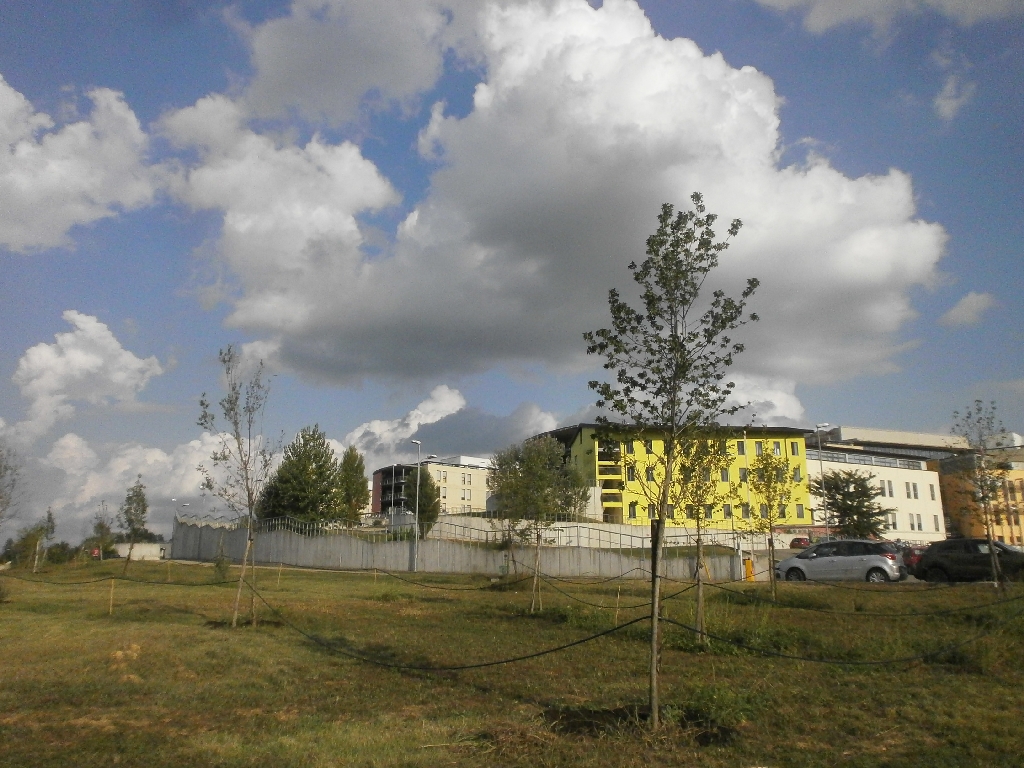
x=748 y=569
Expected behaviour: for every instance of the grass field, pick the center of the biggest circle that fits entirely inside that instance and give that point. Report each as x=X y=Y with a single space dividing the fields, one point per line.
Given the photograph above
x=164 y=682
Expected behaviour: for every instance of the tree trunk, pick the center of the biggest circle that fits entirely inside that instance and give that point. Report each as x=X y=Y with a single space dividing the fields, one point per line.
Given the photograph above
x=131 y=548
x=241 y=581
x=657 y=531
x=536 y=573
x=771 y=565
x=35 y=562
x=997 y=571
x=701 y=634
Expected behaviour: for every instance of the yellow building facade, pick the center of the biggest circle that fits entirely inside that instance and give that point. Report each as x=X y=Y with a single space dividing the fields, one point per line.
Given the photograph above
x=621 y=473
x=964 y=513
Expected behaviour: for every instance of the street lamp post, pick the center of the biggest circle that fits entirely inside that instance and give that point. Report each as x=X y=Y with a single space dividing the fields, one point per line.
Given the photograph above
x=821 y=475
x=416 y=514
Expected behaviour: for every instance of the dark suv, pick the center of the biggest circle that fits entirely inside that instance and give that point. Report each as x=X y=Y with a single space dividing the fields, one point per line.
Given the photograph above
x=967 y=560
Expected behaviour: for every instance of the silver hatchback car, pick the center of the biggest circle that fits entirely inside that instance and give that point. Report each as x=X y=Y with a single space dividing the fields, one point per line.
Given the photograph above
x=847 y=560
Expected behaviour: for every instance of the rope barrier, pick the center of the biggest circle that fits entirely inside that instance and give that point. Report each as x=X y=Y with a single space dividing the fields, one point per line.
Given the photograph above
x=777 y=604
x=154 y=582
x=851 y=662
x=425 y=668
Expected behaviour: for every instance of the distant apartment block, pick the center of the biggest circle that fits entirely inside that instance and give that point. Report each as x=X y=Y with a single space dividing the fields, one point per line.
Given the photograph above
x=461 y=483
x=964 y=510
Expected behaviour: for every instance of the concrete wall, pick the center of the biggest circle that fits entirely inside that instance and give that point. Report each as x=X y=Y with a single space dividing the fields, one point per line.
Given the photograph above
x=143 y=551
x=342 y=551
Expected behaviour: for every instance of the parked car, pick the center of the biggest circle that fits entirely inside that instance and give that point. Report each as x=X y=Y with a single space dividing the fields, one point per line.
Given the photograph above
x=912 y=555
x=967 y=560
x=847 y=560
x=800 y=542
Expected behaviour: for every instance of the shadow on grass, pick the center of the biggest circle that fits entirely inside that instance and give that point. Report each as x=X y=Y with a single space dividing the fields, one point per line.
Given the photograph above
x=633 y=719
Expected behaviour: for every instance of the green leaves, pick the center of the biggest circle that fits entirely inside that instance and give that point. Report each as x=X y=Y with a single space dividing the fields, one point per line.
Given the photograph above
x=850 y=501
x=309 y=482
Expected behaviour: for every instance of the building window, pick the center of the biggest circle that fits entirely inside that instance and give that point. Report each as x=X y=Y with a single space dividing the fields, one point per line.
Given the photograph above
x=764 y=511
x=743 y=474
x=931 y=490
x=444 y=477
x=881 y=487
x=650 y=511
x=797 y=477
x=782 y=511
x=463 y=494
x=911 y=522
x=649 y=446
x=914 y=486
x=936 y=520
x=672 y=511
x=890 y=489
x=794 y=449
x=469 y=478
x=746 y=511
x=892 y=521
x=727 y=511
x=777 y=448
x=439 y=475
x=705 y=475
x=780 y=475
x=691 y=511
x=629 y=449
x=723 y=475
x=758 y=448
x=709 y=511
x=650 y=474
x=630 y=473
x=919 y=526
x=632 y=510
x=1013 y=491
x=908 y=490
x=799 y=511
x=444 y=492
x=741 y=448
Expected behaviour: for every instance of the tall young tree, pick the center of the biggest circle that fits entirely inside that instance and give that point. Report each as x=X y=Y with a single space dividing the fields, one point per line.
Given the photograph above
x=308 y=483
x=669 y=359
x=131 y=517
x=850 y=500
x=430 y=497
x=533 y=487
x=354 y=489
x=773 y=479
x=985 y=471
x=10 y=470
x=243 y=462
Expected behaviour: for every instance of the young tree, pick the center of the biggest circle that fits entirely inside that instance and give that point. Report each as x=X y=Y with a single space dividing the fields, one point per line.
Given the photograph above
x=984 y=472
x=773 y=480
x=669 y=359
x=307 y=484
x=243 y=463
x=850 y=500
x=47 y=528
x=533 y=487
x=103 y=530
x=10 y=470
x=354 y=490
x=430 y=497
x=131 y=517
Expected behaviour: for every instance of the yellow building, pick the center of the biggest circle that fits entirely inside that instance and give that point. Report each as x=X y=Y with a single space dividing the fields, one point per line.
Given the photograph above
x=965 y=514
x=621 y=473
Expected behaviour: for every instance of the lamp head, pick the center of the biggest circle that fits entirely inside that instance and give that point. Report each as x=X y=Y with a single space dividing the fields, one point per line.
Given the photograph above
x=416 y=442
x=821 y=426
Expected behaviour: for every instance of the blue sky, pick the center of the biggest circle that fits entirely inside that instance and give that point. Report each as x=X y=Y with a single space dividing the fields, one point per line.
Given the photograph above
x=412 y=210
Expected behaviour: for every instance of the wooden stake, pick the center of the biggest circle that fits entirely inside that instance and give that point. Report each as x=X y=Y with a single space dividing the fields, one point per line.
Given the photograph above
x=280 y=565
x=617 y=593
x=110 y=609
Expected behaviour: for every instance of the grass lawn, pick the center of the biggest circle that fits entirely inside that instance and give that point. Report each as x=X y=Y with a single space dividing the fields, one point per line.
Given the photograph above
x=165 y=682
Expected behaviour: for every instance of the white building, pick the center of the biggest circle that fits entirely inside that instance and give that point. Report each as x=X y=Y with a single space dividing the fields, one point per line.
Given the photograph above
x=904 y=483
x=462 y=481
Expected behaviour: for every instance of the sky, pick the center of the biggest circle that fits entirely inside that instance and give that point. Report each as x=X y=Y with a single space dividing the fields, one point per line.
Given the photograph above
x=411 y=210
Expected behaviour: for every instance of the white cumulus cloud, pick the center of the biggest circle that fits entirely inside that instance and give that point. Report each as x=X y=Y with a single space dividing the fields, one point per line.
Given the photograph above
x=87 y=365
x=584 y=122
x=52 y=178
x=968 y=310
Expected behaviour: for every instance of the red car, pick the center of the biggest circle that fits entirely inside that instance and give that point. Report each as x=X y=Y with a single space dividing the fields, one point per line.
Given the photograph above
x=912 y=556
x=800 y=542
